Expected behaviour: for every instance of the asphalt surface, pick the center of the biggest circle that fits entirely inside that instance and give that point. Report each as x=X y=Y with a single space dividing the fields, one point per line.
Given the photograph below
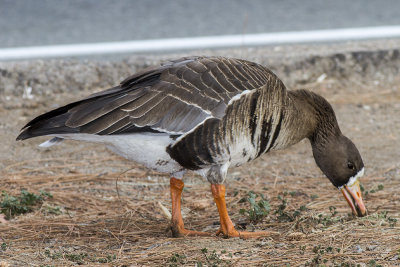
x=49 y=22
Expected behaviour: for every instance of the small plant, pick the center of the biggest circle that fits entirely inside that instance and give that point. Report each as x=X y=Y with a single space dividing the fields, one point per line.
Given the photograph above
x=107 y=259
x=333 y=211
x=287 y=216
x=325 y=255
x=372 y=263
x=54 y=210
x=258 y=209
x=328 y=219
x=4 y=246
x=24 y=203
x=298 y=212
x=77 y=258
x=176 y=260
x=372 y=191
x=325 y=220
x=53 y=256
x=212 y=259
x=383 y=215
x=280 y=212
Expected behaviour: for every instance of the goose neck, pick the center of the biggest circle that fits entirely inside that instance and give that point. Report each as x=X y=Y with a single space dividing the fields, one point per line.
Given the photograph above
x=316 y=115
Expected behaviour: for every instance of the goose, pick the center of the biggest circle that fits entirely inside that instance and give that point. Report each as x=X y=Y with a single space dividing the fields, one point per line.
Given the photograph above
x=207 y=114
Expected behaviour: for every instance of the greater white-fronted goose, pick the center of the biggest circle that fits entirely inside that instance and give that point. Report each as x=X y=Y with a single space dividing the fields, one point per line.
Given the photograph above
x=207 y=114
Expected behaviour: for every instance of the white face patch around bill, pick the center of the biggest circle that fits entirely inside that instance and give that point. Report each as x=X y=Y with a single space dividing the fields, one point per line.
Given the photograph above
x=354 y=178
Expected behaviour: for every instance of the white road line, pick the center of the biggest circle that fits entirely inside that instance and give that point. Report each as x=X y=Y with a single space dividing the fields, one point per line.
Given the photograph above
x=175 y=44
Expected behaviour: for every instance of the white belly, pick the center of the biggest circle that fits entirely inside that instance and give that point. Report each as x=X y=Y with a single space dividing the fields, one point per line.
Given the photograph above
x=148 y=149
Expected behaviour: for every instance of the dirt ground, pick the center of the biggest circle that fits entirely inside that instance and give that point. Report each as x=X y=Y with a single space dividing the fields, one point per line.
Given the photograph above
x=106 y=211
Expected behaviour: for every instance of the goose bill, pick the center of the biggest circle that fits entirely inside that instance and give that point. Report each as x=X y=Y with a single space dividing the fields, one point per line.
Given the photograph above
x=352 y=194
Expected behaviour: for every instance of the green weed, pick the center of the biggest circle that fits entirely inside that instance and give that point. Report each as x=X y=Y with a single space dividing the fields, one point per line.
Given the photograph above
x=213 y=259
x=258 y=209
x=383 y=215
x=372 y=263
x=24 y=203
x=54 y=210
x=107 y=259
x=53 y=256
x=287 y=216
x=79 y=258
x=374 y=190
x=176 y=260
x=281 y=213
x=325 y=255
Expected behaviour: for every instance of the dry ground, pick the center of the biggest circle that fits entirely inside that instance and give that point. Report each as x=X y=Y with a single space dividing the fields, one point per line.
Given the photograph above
x=106 y=211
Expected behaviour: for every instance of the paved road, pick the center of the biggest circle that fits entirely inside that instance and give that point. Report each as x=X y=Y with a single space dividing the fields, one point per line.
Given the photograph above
x=47 y=22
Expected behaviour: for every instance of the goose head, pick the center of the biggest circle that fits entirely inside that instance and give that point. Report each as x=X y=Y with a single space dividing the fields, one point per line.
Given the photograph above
x=340 y=161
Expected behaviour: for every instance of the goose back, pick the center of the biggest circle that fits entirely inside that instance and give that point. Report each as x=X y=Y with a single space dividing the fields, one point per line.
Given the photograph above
x=172 y=98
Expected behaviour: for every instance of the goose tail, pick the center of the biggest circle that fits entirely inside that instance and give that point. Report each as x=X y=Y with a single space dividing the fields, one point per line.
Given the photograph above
x=50 y=123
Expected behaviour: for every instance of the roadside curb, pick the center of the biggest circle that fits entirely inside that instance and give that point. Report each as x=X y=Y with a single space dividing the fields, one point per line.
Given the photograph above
x=296 y=65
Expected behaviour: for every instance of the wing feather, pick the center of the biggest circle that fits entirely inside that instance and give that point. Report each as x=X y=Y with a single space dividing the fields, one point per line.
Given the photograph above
x=91 y=110
x=172 y=98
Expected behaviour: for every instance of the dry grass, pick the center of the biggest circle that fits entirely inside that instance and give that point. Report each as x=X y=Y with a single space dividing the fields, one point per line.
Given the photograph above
x=106 y=211
x=115 y=219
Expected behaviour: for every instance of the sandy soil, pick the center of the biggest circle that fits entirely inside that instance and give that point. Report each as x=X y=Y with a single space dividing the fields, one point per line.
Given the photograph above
x=108 y=210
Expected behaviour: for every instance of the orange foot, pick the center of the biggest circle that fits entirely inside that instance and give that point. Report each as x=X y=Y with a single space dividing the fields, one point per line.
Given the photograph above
x=177 y=226
x=227 y=229
x=180 y=231
x=244 y=234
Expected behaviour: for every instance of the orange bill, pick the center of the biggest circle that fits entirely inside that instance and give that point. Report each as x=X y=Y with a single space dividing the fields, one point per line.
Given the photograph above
x=352 y=194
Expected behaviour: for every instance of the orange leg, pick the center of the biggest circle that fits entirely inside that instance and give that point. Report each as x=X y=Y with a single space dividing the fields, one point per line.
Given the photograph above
x=227 y=228
x=177 y=225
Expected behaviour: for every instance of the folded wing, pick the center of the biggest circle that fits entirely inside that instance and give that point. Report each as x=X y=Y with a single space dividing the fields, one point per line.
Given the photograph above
x=172 y=98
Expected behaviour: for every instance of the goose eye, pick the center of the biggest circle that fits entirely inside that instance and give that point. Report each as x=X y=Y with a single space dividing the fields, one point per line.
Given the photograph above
x=350 y=165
